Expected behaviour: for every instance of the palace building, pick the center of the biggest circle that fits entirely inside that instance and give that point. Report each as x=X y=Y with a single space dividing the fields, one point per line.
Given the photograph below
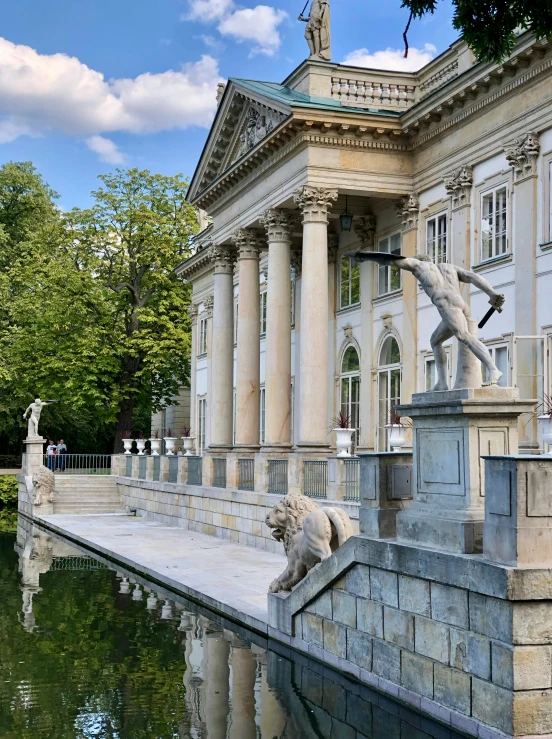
x=454 y=161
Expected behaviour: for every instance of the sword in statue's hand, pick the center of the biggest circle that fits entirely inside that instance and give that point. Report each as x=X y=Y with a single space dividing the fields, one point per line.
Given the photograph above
x=497 y=302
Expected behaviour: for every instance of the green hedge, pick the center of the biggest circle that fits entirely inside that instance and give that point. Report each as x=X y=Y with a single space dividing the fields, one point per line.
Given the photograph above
x=8 y=491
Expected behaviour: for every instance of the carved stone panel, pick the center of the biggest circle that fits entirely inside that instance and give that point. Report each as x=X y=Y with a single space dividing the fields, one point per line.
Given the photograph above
x=440 y=462
x=499 y=491
x=539 y=492
x=491 y=442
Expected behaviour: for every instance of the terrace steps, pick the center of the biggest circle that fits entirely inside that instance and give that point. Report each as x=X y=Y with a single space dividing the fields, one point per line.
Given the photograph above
x=86 y=494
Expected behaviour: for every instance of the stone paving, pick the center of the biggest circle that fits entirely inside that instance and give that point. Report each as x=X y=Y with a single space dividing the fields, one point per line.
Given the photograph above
x=228 y=577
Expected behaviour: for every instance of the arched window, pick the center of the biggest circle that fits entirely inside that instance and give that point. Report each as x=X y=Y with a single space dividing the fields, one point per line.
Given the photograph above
x=389 y=386
x=350 y=387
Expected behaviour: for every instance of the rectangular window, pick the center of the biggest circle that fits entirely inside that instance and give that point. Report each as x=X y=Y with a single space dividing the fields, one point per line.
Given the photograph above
x=202 y=336
x=236 y=322
x=263 y=414
x=501 y=357
x=436 y=238
x=350 y=282
x=292 y=302
x=201 y=423
x=263 y=312
x=389 y=278
x=494 y=223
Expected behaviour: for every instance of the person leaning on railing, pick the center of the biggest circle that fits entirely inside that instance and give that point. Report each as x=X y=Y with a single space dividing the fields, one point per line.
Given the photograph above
x=51 y=455
x=61 y=450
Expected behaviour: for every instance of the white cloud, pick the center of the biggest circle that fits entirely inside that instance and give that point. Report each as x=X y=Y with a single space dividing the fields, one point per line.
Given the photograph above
x=106 y=149
x=207 y=10
x=45 y=92
x=259 y=24
x=392 y=59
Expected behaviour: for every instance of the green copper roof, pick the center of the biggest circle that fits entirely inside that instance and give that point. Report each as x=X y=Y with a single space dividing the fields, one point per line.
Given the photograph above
x=299 y=100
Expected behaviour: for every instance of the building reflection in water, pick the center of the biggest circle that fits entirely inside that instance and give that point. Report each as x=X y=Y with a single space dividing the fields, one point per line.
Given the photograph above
x=235 y=688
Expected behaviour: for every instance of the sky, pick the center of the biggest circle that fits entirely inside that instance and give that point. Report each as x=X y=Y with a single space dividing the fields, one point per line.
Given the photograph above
x=87 y=86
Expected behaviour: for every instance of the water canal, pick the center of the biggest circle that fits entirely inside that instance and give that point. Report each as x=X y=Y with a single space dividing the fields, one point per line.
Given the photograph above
x=87 y=651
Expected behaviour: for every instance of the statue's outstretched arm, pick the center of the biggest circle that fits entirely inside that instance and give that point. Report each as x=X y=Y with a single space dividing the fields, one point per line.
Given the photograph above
x=472 y=278
x=407 y=263
x=302 y=18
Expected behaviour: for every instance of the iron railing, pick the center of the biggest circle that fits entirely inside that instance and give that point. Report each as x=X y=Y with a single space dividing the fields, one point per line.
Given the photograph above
x=278 y=476
x=157 y=468
x=77 y=564
x=219 y=473
x=142 y=466
x=195 y=471
x=79 y=464
x=246 y=470
x=128 y=468
x=315 y=483
x=173 y=468
x=352 y=479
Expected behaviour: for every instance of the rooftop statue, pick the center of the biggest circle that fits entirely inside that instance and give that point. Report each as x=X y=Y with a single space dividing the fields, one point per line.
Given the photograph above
x=441 y=283
x=317 y=31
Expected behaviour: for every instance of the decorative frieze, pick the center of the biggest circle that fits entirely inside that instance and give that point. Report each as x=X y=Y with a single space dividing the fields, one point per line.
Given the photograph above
x=223 y=257
x=278 y=223
x=365 y=228
x=408 y=209
x=522 y=154
x=315 y=203
x=333 y=246
x=459 y=184
x=248 y=242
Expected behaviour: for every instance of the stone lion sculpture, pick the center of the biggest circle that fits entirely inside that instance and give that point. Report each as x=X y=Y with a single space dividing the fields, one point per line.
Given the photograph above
x=309 y=534
x=44 y=484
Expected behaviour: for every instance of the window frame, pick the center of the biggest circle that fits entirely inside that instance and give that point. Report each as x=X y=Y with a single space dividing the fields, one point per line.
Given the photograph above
x=201 y=423
x=349 y=282
x=387 y=269
x=262 y=312
x=435 y=218
x=386 y=369
x=202 y=334
x=262 y=414
x=349 y=377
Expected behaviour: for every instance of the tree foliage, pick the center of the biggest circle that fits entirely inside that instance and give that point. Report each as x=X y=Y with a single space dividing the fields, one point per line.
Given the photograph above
x=489 y=27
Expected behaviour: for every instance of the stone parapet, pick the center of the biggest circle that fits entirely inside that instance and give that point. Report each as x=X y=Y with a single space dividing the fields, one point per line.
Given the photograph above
x=385 y=489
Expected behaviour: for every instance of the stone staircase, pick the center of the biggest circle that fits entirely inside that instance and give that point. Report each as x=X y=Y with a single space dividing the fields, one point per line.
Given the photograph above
x=79 y=494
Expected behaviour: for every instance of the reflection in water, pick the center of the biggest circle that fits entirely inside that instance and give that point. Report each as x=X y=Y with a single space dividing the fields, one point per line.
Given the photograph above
x=98 y=653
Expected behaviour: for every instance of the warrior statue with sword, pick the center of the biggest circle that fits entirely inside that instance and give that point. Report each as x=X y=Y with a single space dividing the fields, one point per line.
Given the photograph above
x=441 y=283
x=317 y=32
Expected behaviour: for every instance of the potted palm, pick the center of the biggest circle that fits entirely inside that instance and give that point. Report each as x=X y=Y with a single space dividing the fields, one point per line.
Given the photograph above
x=188 y=440
x=155 y=443
x=397 y=428
x=127 y=442
x=341 y=426
x=141 y=443
x=170 y=441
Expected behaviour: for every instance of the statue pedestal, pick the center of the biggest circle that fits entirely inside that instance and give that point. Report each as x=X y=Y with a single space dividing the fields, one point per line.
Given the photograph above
x=451 y=431
x=34 y=454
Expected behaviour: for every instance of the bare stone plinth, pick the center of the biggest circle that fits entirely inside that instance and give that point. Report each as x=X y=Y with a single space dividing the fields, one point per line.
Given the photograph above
x=385 y=489
x=452 y=430
x=518 y=510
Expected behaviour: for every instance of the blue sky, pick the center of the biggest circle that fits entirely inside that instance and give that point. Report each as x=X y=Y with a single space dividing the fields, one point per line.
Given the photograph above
x=89 y=85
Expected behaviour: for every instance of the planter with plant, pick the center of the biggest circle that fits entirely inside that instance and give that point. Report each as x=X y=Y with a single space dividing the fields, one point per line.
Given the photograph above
x=397 y=429
x=127 y=442
x=170 y=441
x=155 y=444
x=188 y=440
x=341 y=426
x=141 y=443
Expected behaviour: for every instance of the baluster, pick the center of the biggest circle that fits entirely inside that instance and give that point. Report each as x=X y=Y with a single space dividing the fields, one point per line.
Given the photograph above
x=335 y=87
x=344 y=85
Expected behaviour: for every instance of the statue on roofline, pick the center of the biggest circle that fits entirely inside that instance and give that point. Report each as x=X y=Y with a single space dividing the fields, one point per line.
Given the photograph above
x=317 y=31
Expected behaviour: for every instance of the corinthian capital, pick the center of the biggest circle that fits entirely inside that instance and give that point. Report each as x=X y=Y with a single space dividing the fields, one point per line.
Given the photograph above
x=365 y=229
x=248 y=242
x=208 y=304
x=297 y=262
x=192 y=312
x=278 y=223
x=408 y=209
x=333 y=246
x=459 y=184
x=223 y=257
x=315 y=203
x=522 y=154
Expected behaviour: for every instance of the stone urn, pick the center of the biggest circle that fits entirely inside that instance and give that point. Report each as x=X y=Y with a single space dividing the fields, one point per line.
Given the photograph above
x=343 y=441
x=545 y=422
x=155 y=446
x=141 y=444
x=127 y=443
x=170 y=441
x=188 y=445
x=397 y=436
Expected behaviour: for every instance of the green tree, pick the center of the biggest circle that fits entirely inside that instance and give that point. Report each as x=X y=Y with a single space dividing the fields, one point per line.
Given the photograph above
x=489 y=26
x=131 y=240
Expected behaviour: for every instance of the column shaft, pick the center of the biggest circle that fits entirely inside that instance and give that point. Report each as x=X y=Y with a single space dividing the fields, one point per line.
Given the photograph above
x=313 y=402
x=278 y=224
x=409 y=212
x=222 y=369
x=248 y=242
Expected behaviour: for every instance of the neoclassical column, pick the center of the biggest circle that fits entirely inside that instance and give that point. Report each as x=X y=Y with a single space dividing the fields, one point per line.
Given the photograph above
x=314 y=203
x=409 y=210
x=192 y=312
x=217 y=684
x=458 y=185
x=248 y=242
x=244 y=671
x=278 y=224
x=222 y=360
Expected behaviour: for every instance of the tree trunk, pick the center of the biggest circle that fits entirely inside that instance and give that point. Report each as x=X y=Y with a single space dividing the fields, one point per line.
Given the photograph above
x=124 y=422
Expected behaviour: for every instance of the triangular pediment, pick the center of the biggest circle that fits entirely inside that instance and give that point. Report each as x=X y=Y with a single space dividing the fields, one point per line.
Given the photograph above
x=242 y=122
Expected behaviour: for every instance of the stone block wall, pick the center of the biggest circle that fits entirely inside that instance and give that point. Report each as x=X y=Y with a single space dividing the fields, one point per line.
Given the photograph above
x=480 y=659
x=234 y=515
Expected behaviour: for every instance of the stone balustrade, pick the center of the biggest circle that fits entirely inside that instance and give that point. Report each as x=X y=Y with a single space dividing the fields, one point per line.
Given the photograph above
x=374 y=90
